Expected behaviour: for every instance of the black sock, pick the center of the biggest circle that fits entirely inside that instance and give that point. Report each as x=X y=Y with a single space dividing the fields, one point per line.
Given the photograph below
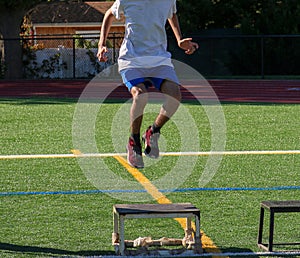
x=136 y=138
x=155 y=128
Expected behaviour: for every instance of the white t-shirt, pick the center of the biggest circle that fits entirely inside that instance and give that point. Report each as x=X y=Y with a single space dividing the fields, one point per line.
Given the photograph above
x=145 y=41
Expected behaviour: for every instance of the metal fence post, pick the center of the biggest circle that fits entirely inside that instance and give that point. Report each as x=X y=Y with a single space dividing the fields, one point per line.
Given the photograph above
x=74 y=58
x=262 y=58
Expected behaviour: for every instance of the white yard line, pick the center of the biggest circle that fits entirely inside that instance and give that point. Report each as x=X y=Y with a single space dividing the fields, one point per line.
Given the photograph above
x=77 y=154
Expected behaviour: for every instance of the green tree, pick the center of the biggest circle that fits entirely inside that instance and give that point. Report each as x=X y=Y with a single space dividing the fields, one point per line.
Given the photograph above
x=195 y=15
x=11 y=16
x=252 y=17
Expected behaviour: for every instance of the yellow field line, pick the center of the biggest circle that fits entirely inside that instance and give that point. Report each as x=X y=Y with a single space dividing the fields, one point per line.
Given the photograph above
x=207 y=243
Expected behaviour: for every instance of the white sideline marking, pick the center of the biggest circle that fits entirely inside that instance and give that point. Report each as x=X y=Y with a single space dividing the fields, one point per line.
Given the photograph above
x=106 y=155
x=211 y=153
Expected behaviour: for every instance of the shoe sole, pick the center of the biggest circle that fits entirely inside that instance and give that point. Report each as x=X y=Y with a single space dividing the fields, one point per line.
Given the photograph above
x=147 y=151
x=129 y=163
x=133 y=165
x=148 y=154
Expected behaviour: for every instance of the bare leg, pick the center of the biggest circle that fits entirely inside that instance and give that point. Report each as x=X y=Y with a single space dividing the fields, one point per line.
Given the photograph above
x=171 y=103
x=172 y=100
x=134 y=148
x=137 y=108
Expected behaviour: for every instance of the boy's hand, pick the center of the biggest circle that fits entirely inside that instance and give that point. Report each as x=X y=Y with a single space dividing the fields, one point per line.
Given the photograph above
x=187 y=45
x=101 y=54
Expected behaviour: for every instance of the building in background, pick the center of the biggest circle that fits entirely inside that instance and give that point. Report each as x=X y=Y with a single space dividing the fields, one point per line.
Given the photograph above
x=68 y=19
x=61 y=39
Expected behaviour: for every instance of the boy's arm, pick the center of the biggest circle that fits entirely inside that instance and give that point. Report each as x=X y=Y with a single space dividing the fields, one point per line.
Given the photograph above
x=106 y=24
x=186 y=43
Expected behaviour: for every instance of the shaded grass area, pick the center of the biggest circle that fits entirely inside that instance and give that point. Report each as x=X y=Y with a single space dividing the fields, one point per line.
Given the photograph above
x=81 y=224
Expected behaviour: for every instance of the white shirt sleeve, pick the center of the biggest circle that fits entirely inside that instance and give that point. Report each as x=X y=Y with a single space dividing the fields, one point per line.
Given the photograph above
x=173 y=10
x=117 y=9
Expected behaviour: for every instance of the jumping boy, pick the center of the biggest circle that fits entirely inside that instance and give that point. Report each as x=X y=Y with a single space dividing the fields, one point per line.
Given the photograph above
x=144 y=61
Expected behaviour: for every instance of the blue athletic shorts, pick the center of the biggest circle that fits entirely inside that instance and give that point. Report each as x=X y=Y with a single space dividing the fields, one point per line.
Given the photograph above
x=148 y=76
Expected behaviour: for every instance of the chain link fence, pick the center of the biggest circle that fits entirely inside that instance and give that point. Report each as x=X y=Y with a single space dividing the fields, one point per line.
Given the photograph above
x=66 y=57
x=223 y=56
x=261 y=56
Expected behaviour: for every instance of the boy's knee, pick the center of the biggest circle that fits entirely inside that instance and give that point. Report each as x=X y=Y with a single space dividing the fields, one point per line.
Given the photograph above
x=138 y=95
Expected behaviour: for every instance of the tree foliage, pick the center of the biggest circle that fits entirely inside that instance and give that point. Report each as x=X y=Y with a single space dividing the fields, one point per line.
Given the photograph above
x=11 y=5
x=252 y=17
x=11 y=16
x=248 y=17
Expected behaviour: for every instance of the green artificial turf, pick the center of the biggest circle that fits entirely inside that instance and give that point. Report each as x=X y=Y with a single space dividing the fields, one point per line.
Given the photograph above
x=45 y=211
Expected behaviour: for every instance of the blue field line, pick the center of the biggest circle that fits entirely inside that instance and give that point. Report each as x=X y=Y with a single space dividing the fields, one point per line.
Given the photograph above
x=275 y=188
x=180 y=190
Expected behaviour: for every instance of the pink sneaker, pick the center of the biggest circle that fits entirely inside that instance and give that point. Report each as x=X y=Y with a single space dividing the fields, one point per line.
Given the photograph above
x=150 y=140
x=134 y=154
